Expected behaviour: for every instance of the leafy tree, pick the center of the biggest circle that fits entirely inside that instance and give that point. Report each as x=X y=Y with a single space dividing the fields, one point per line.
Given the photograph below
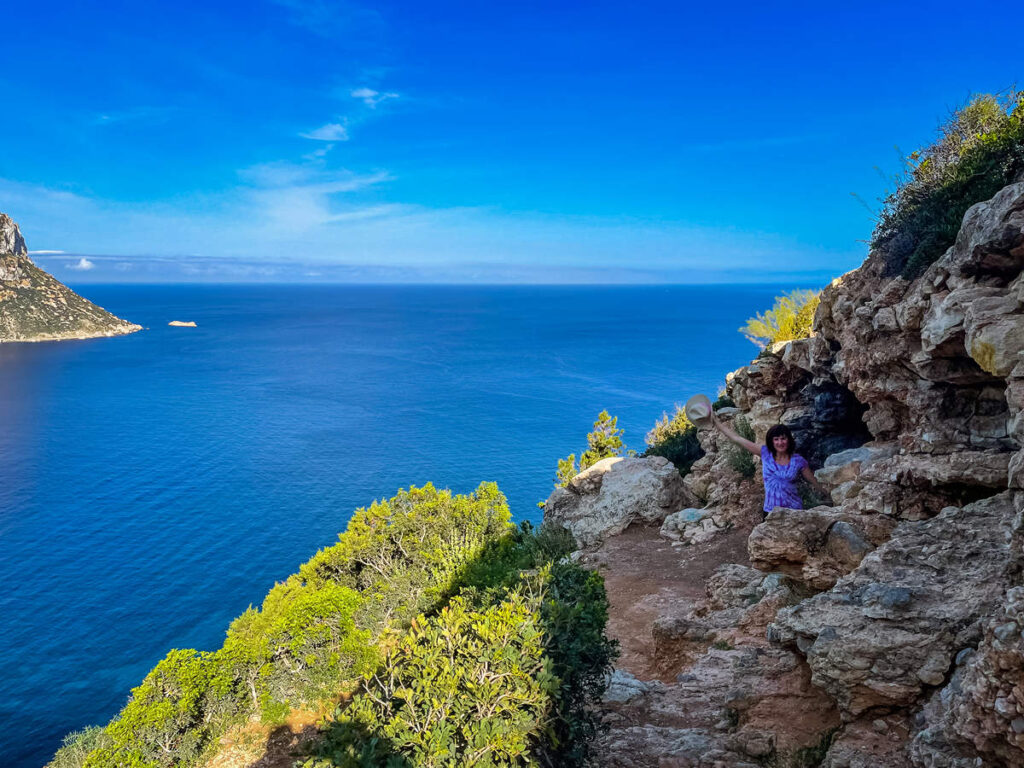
x=675 y=438
x=791 y=317
x=603 y=442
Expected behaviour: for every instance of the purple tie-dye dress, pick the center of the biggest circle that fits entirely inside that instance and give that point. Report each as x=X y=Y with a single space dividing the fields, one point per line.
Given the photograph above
x=780 y=482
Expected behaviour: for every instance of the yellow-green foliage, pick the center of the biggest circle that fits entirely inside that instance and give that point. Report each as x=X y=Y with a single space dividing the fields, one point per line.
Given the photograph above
x=466 y=687
x=505 y=676
x=603 y=442
x=789 y=318
x=675 y=438
x=404 y=554
x=313 y=632
x=167 y=720
x=980 y=149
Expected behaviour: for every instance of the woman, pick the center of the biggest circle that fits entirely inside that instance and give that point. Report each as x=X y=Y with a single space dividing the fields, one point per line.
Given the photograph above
x=780 y=465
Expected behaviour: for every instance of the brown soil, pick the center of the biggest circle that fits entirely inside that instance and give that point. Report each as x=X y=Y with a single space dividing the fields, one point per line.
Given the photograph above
x=647 y=577
x=257 y=745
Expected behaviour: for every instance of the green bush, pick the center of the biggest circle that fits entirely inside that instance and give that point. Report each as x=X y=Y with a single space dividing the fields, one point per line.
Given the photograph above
x=723 y=401
x=980 y=149
x=466 y=687
x=313 y=632
x=603 y=442
x=791 y=317
x=403 y=555
x=501 y=677
x=515 y=663
x=740 y=459
x=172 y=717
x=675 y=438
x=77 y=746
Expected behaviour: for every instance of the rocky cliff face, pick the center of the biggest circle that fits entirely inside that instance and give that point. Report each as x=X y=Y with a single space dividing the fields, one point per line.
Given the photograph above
x=34 y=306
x=886 y=628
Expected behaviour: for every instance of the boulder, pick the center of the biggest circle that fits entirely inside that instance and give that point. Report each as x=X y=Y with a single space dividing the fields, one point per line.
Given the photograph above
x=815 y=546
x=608 y=497
x=888 y=632
x=691 y=526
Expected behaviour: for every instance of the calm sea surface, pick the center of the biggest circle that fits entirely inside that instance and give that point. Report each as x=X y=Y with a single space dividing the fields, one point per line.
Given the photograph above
x=153 y=486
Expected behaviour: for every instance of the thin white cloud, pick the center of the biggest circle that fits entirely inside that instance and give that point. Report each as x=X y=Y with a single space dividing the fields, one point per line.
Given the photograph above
x=82 y=265
x=318 y=154
x=43 y=253
x=148 y=114
x=372 y=98
x=331 y=221
x=329 y=132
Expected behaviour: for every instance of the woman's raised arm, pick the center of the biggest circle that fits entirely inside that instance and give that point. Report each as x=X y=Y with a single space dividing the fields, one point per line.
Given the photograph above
x=729 y=432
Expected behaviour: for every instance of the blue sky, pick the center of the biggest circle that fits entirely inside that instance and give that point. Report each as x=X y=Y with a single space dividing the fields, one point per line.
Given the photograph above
x=480 y=142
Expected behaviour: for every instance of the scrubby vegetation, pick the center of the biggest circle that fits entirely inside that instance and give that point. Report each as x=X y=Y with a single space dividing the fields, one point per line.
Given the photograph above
x=739 y=458
x=603 y=442
x=675 y=438
x=979 y=150
x=722 y=401
x=429 y=606
x=502 y=676
x=791 y=317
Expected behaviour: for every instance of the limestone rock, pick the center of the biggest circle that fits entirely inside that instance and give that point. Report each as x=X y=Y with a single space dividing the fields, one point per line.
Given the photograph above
x=888 y=632
x=11 y=240
x=815 y=546
x=691 y=526
x=980 y=714
x=606 y=498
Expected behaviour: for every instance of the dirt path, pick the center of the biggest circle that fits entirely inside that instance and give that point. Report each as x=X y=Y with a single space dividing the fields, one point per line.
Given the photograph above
x=646 y=577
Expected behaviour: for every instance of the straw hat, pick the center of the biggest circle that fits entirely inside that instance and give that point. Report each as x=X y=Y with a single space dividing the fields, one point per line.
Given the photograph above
x=698 y=410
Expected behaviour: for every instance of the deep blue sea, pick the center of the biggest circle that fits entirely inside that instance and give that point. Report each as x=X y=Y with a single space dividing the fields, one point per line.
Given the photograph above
x=153 y=486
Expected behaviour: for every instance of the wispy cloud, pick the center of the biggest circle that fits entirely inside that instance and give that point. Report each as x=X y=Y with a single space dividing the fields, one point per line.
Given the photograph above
x=332 y=221
x=133 y=115
x=372 y=98
x=82 y=265
x=330 y=18
x=329 y=132
x=43 y=253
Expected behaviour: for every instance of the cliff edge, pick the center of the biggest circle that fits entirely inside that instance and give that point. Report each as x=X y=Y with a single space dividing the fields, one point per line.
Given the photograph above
x=884 y=629
x=35 y=306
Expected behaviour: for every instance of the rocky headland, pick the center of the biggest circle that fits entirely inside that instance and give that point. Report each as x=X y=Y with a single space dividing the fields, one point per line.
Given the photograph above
x=35 y=306
x=883 y=630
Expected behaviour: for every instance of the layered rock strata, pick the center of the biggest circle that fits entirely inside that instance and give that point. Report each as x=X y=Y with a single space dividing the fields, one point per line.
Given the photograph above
x=35 y=306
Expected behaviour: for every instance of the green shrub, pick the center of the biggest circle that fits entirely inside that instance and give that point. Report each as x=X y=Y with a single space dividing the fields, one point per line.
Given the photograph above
x=298 y=646
x=574 y=618
x=723 y=401
x=675 y=438
x=980 y=149
x=313 y=632
x=739 y=458
x=403 y=555
x=500 y=677
x=791 y=317
x=466 y=687
x=77 y=746
x=603 y=442
x=172 y=717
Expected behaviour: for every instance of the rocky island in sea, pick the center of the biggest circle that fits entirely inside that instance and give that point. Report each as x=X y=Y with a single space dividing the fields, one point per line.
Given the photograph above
x=35 y=306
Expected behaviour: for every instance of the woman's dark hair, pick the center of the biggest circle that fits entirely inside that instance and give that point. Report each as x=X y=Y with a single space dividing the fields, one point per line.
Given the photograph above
x=776 y=431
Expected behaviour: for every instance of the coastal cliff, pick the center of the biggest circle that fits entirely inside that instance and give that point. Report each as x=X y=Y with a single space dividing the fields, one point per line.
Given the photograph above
x=883 y=629
x=35 y=306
